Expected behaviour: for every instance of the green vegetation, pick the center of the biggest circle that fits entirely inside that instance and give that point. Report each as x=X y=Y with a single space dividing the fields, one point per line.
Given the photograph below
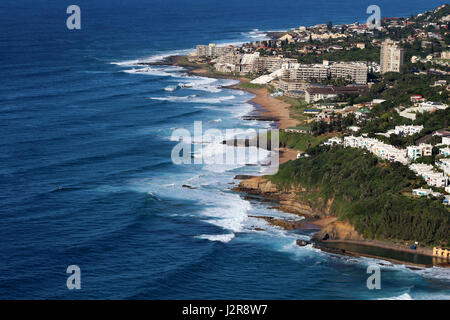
x=298 y=141
x=368 y=193
x=297 y=108
x=248 y=85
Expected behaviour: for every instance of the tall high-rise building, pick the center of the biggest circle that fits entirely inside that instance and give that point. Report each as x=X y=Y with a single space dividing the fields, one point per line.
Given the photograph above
x=391 y=57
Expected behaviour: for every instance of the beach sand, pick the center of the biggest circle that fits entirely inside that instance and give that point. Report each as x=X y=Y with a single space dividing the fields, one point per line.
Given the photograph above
x=274 y=108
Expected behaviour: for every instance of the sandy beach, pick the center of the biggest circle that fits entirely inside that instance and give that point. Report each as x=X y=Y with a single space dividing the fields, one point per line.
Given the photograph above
x=268 y=107
x=272 y=107
x=275 y=108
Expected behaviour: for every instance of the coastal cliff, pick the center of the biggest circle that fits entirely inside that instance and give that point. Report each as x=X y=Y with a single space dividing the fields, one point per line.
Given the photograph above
x=287 y=198
x=318 y=212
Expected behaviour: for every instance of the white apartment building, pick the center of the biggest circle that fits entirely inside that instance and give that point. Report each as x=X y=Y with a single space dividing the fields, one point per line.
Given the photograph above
x=432 y=177
x=422 y=150
x=445 y=151
x=429 y=106
x=446 y=141
x=391 y=56
x=407 y=130
x=354 y=71
x=212 y=51
x=333 y=141
x=295 y=72
x=378 y=148
x=444 y=165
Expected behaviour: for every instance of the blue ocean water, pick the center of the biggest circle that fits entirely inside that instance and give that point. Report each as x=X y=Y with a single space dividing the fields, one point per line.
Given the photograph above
x=85 y=171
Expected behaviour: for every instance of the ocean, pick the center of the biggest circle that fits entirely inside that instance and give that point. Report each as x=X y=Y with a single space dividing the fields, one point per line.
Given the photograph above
x=86 y=176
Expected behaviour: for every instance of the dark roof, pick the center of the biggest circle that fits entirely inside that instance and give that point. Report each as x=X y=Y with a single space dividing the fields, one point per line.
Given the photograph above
x=337 y=90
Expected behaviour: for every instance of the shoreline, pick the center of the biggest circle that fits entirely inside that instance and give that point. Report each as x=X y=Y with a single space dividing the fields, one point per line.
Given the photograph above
x=320 y=220
x=265 y=108
x=271 y=109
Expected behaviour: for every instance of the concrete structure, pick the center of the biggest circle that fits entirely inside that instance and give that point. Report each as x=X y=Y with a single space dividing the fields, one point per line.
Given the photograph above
x=422 y=192
x=333 y=141
x=422 y=150
x=391 y=56
x=329 y=93
x=212 y=51
x=378 y=148
x=445 y=151
x=296 y=72
x=441 y=252
x=444 y=165
x=432 y=177
x=446 y=140
x=353 y=71
x=404 y=130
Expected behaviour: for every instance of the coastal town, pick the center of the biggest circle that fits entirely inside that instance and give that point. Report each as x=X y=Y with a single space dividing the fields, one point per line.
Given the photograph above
x=383 y=91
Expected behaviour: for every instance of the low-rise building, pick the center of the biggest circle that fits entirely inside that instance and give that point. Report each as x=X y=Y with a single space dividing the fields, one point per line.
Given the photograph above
x=422 y=150
x=444 y=165
x=378 y=148
x=329 y=93
x=445 y=151
x=430 y=175
x=333 y=141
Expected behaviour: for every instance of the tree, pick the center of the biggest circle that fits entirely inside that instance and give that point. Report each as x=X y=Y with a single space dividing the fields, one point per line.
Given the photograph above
x=330 y=25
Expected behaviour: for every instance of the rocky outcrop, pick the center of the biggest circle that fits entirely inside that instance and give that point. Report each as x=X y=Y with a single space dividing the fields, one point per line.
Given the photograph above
x=302 y=243
x=289 y=224
x=338 y=230
x=289 y=201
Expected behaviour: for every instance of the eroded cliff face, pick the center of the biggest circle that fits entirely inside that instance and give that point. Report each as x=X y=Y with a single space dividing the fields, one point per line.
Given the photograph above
x=288 y=197
x=289 y=201
x=338 y=230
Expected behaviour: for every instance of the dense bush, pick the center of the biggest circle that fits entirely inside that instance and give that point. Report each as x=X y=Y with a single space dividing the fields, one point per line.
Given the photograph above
x=373 y=195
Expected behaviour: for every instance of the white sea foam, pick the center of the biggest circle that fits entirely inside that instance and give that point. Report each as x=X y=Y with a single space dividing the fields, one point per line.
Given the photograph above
x=404 y=296
x=153 y=58
x=256 y=34
x=162 y=72
x=193 y=99
x=201 y=84
x=217 y=237
x=171 y=88
x=435 y=273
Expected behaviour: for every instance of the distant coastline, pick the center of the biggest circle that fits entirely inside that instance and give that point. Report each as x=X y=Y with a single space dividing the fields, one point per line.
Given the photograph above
x=278 y=111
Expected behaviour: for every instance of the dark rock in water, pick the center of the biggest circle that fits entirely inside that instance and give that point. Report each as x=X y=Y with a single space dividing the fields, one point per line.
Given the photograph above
x=188 y=186
x=384 y=264
x=302 y=243
x=243 y=177
x=414 y=268
x=258 y=229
